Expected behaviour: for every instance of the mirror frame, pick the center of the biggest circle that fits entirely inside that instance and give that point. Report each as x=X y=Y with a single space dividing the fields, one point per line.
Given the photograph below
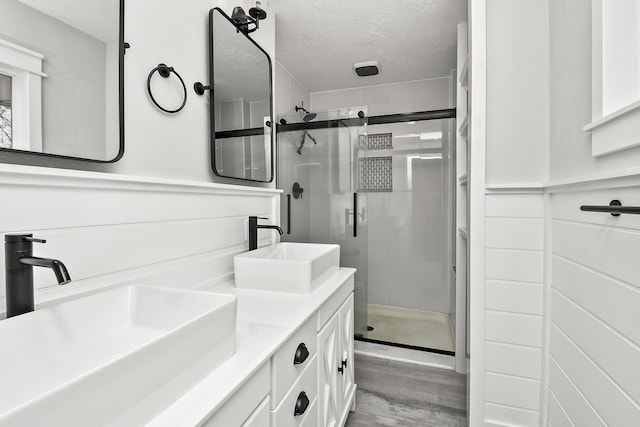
x=121 y=51
x=241 y=132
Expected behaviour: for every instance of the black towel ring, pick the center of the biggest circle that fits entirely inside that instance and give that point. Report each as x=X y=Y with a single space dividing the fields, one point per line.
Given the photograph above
x=165 y=71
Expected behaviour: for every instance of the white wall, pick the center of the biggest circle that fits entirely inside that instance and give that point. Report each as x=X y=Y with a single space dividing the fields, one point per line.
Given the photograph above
x=517 y=92
x=158 y=144
x=292 y=167
x=514 y=307
x=512 y=302
x=570 y=67
x=408 y=259
x=594 y=347
x=178 y=145
x=559 y=286
x=403 y=97
x=594 y=339
x=109 y=229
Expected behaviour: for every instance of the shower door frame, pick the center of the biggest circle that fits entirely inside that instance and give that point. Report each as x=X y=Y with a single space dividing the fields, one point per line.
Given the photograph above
x=442 y=114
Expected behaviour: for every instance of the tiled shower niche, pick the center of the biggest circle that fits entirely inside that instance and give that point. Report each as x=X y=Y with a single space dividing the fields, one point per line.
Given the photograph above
x=379 y=141
x=376 y=174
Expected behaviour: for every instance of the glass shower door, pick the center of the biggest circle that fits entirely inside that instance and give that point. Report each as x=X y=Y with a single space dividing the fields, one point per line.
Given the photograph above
x=321 y=157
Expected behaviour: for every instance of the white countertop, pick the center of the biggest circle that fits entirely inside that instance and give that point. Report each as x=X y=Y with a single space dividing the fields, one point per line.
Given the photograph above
x=265 y=321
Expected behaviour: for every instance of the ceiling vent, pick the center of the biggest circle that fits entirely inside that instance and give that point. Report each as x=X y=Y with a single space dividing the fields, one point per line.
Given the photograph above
x=369 y=68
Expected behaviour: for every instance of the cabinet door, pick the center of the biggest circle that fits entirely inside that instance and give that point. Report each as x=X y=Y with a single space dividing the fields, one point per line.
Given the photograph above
x=346 y=349
x=329 y=392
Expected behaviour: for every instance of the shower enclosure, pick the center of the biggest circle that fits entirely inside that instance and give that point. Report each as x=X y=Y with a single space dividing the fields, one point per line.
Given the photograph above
x=318 y=168
x=380 y=188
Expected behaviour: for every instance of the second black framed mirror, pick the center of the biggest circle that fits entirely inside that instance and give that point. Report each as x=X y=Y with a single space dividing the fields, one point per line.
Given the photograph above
x=241 y=107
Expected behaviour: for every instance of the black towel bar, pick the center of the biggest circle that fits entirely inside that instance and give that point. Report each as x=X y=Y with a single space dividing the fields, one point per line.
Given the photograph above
x=615 y=208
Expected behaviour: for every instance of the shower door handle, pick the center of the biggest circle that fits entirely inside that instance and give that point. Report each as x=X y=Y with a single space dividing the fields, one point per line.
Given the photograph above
x=288 y=213
x=355 y=214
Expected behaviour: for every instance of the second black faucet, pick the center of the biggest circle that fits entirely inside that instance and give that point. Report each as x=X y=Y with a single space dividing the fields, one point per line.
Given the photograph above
x=253 y=231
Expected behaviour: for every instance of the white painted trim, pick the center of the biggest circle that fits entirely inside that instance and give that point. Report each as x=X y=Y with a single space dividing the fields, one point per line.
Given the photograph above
x=546 y=338
x=161 y=275
x=616 y=135
x=52 y=177
x=22 y=58
x=20 y=49
x=619 y=178
x=533 y=188
x=477 y=178
x=612 y=117
x=404 y=355
x=461 y=213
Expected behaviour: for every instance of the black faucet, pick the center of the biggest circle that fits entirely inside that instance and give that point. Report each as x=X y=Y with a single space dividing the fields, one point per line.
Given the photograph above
x=19 y=262
x=253 y=231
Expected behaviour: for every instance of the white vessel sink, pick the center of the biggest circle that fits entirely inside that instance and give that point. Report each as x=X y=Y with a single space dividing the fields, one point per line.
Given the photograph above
x=116 y=357
x=286 y=267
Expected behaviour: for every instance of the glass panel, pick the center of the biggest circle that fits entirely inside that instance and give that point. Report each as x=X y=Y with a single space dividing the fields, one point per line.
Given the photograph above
x=245 y=157
x=400 y=175
x=318 y=168
x=6 y=123
x=407 y=179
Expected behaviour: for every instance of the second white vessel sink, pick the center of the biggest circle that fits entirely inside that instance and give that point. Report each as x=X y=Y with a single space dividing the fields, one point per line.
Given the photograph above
x=286 y=267
x=117 y=357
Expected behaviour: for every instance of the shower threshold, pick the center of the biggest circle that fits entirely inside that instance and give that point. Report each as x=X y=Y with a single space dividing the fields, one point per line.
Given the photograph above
x=407 y=346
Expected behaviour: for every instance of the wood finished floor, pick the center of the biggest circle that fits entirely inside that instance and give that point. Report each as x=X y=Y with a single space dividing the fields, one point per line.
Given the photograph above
x=403 y=394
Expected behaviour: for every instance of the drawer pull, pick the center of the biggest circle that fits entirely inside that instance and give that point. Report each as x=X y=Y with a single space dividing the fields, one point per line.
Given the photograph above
x=301 y=354
x=301 y=404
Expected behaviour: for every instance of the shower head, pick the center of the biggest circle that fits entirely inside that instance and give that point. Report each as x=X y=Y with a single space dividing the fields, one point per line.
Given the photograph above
x=306 y=115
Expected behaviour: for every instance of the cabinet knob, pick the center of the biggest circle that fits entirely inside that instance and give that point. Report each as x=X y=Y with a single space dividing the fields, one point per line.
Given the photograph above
x=301 y=404
x=301 y=354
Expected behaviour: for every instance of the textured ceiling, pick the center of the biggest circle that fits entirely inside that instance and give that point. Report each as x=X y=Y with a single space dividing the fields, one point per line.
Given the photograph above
x=98 y=18
x=319 y=41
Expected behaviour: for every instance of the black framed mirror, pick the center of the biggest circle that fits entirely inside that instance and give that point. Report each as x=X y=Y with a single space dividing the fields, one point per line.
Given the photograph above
x=62 y=79
x=241 y=110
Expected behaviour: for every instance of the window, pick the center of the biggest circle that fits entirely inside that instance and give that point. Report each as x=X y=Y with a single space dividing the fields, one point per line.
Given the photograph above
x=20 y=97
x=616 y=76
x=6 y=134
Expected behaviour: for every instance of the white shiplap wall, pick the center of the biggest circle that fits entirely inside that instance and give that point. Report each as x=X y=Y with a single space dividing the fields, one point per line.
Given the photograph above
x=594 y=369
x=110 y=229
x=514 y=306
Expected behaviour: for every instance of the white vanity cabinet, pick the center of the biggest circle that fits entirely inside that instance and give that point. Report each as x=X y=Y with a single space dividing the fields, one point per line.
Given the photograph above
x=335 y=371
x=249 y=406
x=294 y=379
x=308 y=380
